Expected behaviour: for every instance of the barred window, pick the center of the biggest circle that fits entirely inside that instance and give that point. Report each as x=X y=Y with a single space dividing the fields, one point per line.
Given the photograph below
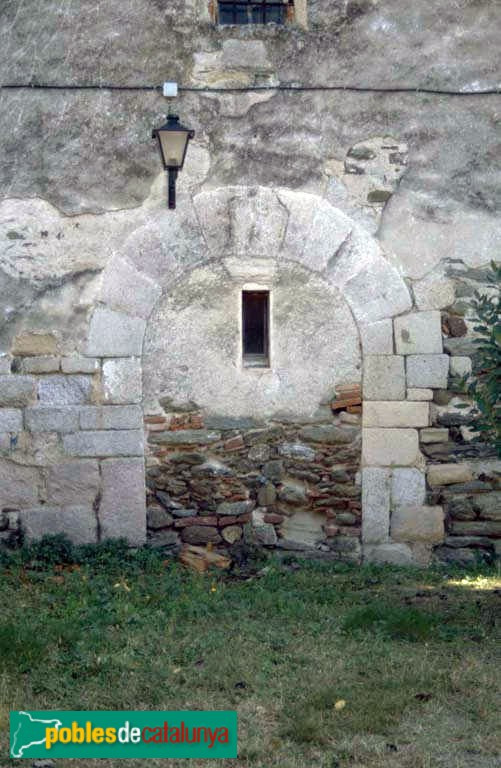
x=255 y=11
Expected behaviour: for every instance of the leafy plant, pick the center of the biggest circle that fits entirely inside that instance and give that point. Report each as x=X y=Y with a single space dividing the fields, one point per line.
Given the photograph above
x=483 y=385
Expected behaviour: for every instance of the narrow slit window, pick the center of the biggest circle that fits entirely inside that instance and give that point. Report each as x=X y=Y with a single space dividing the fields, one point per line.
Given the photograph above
x=255 y=328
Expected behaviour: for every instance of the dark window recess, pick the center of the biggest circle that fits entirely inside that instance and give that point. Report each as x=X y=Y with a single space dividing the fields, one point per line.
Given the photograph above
x=255 y=328
x=253 y=11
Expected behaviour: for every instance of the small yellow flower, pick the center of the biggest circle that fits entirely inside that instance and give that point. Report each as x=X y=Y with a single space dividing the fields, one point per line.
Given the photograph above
x=339 y=705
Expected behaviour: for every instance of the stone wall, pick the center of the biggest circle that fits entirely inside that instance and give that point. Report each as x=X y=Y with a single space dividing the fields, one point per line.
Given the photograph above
x=71 y=447
x=363 y=182
x=282 y=485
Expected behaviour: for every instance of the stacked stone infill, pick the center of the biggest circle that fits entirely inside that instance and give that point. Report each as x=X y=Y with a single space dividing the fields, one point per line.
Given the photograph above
x=71 y=444
x=287 y=486
x=465 y=477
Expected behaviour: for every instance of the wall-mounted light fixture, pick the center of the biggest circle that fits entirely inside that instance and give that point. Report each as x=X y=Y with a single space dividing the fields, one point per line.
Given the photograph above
x=173 y=141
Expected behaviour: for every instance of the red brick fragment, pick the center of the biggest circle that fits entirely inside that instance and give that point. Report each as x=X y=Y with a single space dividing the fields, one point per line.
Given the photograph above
x=234 y=443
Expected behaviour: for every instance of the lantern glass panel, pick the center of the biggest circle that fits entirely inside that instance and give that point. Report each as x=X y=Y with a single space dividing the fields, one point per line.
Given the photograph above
x=173 y=146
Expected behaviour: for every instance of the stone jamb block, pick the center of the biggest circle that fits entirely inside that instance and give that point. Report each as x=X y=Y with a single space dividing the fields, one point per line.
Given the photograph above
x=73 y=482
x=427 y=371
x=126 y=290
x=115 y=334
x=377 y=338
x=105 y=443
x=390 y=447
x=122 y=380
x=384 y=377
x=111 y=417
x=52 y=419
x=395 y=414
x=122 y=511
x=418 y=333
x=41 y=364
x=388 y=554
x=11 y=420
x=408 y=487
x=418 y=524
x=17 y=391
x=59 y=390
x=19 y=484
x=79 y=364
x=78 y=522
x=375 y=505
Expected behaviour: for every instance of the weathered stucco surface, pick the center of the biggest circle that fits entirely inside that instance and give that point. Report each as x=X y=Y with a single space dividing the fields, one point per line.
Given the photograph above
x=193 y=345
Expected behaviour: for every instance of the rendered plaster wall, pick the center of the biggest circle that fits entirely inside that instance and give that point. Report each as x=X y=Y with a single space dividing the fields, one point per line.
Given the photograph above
x=84 y=231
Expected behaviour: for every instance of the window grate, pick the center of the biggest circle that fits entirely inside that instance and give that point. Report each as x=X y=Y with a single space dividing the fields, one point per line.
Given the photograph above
x=253 y=11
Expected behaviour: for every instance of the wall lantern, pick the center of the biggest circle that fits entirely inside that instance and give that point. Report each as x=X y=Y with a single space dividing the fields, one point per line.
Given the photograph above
x=173 y=141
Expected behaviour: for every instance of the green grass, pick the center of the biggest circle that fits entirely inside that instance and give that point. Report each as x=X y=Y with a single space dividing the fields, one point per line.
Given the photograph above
x=414 y=655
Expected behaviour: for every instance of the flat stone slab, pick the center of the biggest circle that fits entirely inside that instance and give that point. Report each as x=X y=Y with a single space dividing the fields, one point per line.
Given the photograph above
x=122 y=511
x=185 y=437
x=19 y=485
x=115 y=334
x=17 y=391
x=418 y=333
x=434 y=435
x=122 y=381
x=408 y=488
x=105 y=443
x=111 y=417
x=73 y=481
x=64 y=390
x=449 y=474
x=236 y=508
x=11 y=420
x=384 y=377
x=329 y=434
x=375 y=504
x=52 y=419
x=377 y=338
x=77 y=522
x=420 y=523
x=395 y=414
x=427 y=371
x=386 y=447
x=391 y=554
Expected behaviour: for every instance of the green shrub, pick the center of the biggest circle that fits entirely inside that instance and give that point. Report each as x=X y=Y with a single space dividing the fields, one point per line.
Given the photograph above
x=484 y=383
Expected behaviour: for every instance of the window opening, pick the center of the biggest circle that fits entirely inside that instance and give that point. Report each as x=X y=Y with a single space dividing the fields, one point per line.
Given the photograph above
x=255 y=328
x=255 y=11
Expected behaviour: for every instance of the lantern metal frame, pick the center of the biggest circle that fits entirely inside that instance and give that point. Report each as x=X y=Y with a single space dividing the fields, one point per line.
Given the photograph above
x=172 y=125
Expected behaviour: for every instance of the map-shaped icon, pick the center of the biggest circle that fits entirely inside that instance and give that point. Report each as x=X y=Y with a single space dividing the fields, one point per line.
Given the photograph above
x=30 y=732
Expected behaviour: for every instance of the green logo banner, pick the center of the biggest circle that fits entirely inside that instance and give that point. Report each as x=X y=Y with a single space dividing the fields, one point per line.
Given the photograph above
x=56 y=734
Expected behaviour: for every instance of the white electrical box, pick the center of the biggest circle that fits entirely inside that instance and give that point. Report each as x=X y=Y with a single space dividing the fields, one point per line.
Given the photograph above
x=170 y=90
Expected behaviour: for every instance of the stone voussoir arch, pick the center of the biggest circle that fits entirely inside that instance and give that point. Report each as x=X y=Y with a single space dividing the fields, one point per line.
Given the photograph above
x=266 y=225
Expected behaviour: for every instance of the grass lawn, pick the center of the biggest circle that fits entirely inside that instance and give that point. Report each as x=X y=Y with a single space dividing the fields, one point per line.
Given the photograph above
x=415 y=656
